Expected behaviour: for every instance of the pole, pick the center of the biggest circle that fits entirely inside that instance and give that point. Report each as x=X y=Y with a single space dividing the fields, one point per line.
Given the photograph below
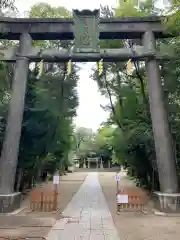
x=117 y=187
x=10 y=148
x=162 y=135
x=56 y=181
x=117 y=192
x=55 y=197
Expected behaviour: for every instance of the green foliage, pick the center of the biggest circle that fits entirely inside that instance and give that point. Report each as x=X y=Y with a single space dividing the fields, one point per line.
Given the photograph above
x=7 y=4
x=132 y=139
x=44 y=10
x=84 y=142
x=104 y=143
x=50 y=106
x=90 y=144
x=172 y=20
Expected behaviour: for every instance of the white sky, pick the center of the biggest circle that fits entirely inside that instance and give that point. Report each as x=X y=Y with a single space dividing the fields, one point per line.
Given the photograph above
x=89 y=112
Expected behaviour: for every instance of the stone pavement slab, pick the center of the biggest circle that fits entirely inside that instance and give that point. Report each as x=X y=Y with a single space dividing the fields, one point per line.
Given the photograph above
x=89 y=216
x=7 y=222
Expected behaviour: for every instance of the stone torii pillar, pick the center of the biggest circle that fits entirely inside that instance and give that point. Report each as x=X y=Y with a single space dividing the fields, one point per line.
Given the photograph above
x=88 y=163
x=162 y=135
x=109 y=164
x=97 y=163
x=101 y=164
x=10 y=148
x=84 y=164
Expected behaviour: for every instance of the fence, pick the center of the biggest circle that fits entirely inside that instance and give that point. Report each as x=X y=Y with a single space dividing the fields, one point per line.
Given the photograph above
x=131 y=199
x=43 y=200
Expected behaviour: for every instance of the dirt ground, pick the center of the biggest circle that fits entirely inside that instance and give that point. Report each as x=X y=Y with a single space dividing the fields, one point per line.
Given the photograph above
x=36 y=224
x=69 y=185
x=137 y=226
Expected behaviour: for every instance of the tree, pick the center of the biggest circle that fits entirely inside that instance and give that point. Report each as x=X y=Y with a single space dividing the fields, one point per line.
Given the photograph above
x=7 y=4
x=172 y=21
x=50 y=107
x=83 y=143
x=82 y=135
x=132 y=139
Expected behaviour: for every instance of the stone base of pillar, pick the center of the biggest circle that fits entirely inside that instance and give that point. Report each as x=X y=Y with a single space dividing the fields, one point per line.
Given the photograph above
x=167 y=202
x=10 y=202
x=109 y=165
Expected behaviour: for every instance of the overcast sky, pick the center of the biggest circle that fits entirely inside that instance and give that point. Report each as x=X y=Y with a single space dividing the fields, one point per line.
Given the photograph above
x=89 y=112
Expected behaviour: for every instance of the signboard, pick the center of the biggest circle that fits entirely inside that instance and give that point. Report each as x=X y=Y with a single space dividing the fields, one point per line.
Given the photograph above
x=117 y=178
x=86 y=32
x=56 y=179
x=122 y=198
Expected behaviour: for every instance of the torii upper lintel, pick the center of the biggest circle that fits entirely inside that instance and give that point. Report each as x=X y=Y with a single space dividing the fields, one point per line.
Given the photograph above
x=61 y=28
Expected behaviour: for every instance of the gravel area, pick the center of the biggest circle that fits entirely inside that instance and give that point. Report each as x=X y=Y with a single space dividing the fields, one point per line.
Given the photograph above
x=137 y=226
x=33 y=224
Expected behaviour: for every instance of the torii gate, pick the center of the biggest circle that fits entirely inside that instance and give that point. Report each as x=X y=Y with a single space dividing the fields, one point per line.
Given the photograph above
x=86 y=29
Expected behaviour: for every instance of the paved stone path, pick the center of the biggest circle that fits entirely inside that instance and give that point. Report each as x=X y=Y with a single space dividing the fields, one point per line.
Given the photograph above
x=90 y=216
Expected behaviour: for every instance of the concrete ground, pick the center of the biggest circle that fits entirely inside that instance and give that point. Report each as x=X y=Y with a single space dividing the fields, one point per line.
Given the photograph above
x=89 y=216
x=137 y=226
